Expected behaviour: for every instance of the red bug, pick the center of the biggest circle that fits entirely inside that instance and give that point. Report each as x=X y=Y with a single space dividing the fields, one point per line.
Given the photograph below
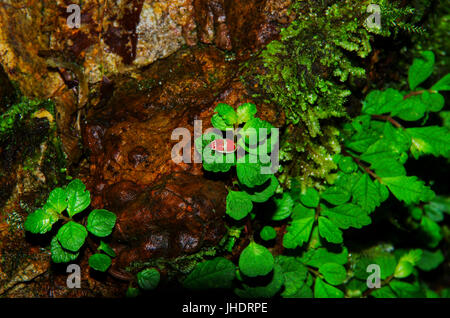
x=223 y=145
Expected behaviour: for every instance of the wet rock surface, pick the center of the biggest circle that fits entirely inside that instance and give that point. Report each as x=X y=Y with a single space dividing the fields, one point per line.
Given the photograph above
x=164 y=209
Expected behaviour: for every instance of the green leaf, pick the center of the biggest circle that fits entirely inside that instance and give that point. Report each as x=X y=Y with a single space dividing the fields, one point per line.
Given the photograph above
x=239 y=205
x=100 y=262
x=132 y=292
x=310 y=198
x=40 y=221
x=411 y=109
x=78 y=198
x=336 y=195
x=381 y=102
x=263 y=193
x=101 y=222
x=284 y=206
x=434 y=101
x=433 y=140
x=227 y=113
x=347 y=215
x=294 y=273
x=323 y=290
x=366 y=194
x=300 y=212
x=383 y=292
x=255 y=260
x=333 y=273
x=268 y=233
x=443 y=84
x=245 y=112
x=329 y=231
x=320 y=256
x=388 y=168
x=347 y=165
x=381 y=150
x=148 y=279
x=60 y=255
x=250 y=174
x=406 y=290
x=408 y=189
x=299 y=230
x=71 y=236
x=303 y=292
x=403 y=269
x=430 y=260
x=218 y=122
x=421 y=69
x=216 y=273
x=107 y=249
x=431 y=232
x=56 y=201
x=267 y=291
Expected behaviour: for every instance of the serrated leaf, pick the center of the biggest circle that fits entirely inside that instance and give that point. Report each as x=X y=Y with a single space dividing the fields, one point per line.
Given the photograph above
x=347 y=215
x=408 y=189
x=310 y=198
x=264 y=192
x=420 y=69
x=320 y=256
x=78 y=198
x=227 y=113
x=406 y=290
x=411 y=109
x=443 y=84
x=267 y=291
x=216 y=273
x=148 y=279
x=294 y=273
x=430 y=260
x=366 y=194
x=381 y=102
x=255 y=260
x=284 y=206
x=433 y=140
x=434 y=101
x=383 y=292
x=101 y=222
x=60 y=255
x=40 y=221
x=250 y=174
x=388 y=168
x=381 y=150
x=71 y=236
x=333 y=273
x=107 y=249
x=323 y=290
x=329 y=231
x=239 y=205
x=336 y=195
x=100 y=262
x=299 y=230
x=218 y=122
x=245 y=112
x=56 y=201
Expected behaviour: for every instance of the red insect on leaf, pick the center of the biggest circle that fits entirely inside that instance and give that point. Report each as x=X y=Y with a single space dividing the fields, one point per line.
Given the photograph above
x=223 y=145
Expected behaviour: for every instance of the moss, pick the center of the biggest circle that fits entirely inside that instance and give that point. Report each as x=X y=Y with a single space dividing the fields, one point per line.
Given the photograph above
x=308 y=72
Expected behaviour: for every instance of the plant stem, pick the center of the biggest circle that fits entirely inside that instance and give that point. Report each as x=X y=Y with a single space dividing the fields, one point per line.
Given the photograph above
x=389 y=119
x=370 y=172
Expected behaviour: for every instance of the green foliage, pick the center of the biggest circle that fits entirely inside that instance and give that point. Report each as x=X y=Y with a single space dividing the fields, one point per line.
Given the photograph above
x=71 y=236
x=369 y=169
x=215 y=273
x=148 y=279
